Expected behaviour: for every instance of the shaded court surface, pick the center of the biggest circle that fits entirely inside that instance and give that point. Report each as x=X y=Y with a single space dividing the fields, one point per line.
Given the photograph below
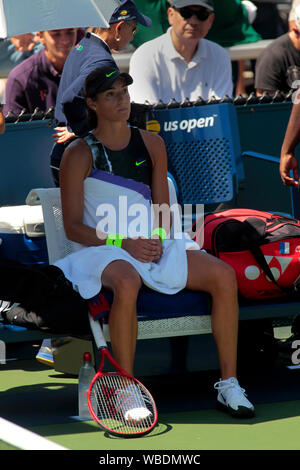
x=45 y=401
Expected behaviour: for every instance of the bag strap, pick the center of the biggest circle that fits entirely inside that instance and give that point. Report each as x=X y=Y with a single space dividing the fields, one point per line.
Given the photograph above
x=252 y=240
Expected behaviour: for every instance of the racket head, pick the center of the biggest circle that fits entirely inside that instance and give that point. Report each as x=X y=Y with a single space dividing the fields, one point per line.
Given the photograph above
x=113 y=398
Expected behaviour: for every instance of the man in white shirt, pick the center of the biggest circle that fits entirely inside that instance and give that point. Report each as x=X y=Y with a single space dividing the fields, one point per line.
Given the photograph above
x=181 y=63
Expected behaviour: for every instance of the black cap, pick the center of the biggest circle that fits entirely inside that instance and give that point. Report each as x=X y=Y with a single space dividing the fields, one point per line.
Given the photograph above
x=102 y=78
x=128 y=11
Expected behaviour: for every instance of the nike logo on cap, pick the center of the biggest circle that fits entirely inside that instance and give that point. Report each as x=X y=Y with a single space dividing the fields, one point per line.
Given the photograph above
x=110 y=74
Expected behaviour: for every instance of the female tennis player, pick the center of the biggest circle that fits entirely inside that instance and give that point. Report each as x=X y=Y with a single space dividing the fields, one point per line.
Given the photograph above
x=115 y=164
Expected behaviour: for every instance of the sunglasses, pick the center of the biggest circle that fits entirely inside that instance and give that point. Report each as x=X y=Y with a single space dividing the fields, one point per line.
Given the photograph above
x=186 y=13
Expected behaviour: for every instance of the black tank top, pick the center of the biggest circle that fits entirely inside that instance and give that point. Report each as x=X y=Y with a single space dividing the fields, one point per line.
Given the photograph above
x=133 y=162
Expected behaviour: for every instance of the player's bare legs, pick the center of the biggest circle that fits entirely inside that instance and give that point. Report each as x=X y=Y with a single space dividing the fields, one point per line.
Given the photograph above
x=124 y=281
x=211 y=275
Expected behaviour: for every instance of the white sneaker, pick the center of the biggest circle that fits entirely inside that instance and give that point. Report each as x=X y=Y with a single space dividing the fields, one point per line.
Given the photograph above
x=130 y=402
x=232 y=398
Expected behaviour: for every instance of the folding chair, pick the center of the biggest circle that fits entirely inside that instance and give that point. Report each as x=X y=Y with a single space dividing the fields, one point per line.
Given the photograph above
x=204 y=153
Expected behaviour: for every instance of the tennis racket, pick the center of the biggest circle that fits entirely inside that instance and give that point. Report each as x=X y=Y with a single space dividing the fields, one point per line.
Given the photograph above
x=118 y=402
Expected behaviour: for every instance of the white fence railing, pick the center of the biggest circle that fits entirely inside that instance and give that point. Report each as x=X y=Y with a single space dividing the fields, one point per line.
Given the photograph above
x=240 y=52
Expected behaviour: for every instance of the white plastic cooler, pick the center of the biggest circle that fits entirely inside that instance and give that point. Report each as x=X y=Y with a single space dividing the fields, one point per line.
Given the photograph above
x=22 y=234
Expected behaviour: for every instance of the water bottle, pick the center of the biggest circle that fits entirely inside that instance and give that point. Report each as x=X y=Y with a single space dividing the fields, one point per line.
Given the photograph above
x=86 y=373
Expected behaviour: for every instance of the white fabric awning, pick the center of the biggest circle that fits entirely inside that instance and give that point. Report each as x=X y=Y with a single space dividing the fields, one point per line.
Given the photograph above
x=25 y=16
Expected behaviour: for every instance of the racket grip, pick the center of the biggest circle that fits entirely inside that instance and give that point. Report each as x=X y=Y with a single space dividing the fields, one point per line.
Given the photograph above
x=97 y=333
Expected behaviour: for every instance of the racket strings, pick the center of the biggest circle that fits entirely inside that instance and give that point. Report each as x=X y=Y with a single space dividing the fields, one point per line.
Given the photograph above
x=122 y=405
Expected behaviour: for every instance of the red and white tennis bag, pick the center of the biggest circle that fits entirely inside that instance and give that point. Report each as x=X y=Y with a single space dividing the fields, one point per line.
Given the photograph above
x=262 y=247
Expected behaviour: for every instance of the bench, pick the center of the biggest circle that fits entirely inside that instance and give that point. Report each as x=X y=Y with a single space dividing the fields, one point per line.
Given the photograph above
x=159 y=315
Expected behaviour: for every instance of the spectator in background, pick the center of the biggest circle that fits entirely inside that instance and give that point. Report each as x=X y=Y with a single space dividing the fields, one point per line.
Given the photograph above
x=12 y=52
x=181 y=63
x=15 y=50
x=268 y=22
x=2 y=121
x=232 y=27
x=24 y=42
x=292 y=14
x=34 y=83
x=156 y=10
x=278 y=66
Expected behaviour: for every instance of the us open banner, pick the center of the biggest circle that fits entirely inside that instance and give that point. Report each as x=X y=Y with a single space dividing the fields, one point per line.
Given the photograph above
x=203 y=147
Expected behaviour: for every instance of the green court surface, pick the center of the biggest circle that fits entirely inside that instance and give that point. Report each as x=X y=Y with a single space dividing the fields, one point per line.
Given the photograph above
x=194 y=430
x=45 y=401
x=5 y=446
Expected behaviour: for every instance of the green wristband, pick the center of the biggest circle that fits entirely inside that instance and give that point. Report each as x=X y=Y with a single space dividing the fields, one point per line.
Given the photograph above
x=114 y=239
x=160 y=232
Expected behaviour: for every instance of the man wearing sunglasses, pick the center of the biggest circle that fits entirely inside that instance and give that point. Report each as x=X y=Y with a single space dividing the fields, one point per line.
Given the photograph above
x=181 y=63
